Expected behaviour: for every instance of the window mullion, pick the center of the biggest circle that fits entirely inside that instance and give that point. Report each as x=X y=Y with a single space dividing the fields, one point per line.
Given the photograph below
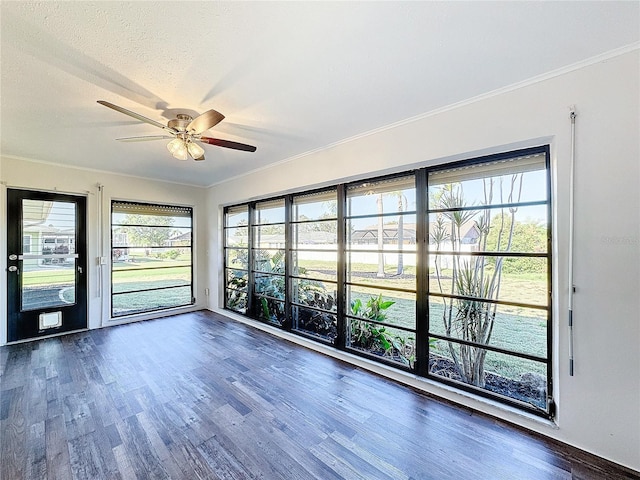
x=422 y=274
x=251 y=258
x=341 y=337
x=288 y=290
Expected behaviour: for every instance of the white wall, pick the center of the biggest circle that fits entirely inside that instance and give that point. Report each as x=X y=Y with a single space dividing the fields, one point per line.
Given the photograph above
x=18 y=173
x=598 y=407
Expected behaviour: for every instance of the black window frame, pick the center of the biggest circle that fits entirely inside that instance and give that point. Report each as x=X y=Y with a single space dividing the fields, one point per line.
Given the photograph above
x=422 y=252
x=185 y=211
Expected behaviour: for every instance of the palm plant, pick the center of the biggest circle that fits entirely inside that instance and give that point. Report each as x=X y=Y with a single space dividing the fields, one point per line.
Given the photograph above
x=474 y=280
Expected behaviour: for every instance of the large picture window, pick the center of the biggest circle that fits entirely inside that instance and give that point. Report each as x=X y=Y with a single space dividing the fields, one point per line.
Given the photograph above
x=489 y=274
x=443 y=271
x=380 y=283
x=151 y=257
x=236 y=258
x=268 y=261
x=314 y=260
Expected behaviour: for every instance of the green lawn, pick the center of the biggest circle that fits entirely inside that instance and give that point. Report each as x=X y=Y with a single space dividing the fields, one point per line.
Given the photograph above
x=516 y=328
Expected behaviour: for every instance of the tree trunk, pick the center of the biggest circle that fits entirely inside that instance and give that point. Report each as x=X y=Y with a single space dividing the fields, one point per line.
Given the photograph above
x=400 y=269
x=380 y=237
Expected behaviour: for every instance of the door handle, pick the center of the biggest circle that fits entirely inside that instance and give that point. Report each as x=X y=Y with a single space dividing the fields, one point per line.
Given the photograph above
x=13 y=268
x=80 y=270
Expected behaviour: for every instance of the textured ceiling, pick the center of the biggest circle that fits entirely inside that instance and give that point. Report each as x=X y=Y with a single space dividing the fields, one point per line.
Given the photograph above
x=290 y=77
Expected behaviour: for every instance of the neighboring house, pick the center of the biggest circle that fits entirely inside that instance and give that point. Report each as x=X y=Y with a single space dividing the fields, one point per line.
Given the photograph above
x=182 y=240
x=47 y=240
x=119 y=243
x=369 y=236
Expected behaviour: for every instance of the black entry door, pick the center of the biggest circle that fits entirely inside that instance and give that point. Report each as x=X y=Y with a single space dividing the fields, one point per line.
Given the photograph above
x=46 y=274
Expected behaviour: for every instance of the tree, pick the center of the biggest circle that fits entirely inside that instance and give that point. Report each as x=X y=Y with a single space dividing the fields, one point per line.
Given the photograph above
x=380 y=236
x=529 y=236
x=471 y=319
x=148 y=230
x=402 y=203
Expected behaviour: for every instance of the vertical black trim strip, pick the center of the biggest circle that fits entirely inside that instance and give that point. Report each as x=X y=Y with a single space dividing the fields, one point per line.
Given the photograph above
x=250 y=258
x=550 y=401
x=288 y=254
x=341 y=338
x=224 y=257
x=422 y=273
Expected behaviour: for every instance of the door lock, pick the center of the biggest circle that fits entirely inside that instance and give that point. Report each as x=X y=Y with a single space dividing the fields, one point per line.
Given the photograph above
x=13 y=256
x=13 y=268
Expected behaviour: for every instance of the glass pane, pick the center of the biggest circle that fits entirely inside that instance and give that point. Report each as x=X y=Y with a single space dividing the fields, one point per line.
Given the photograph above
x=315 y=206
x=237 y=258
x=490 y=230
x=320 y=265
x=49 y=234
x=522 y=330
x=237 y=216
x=48 y=283
x=387 y=342
x=271 y=285
x=464 y=189
x=237 y=300
x=398 y=232
x=268 y=310
x=512 y=377
x=237 y=279
x=315 y=294
x=271 y=211
x=151 y=236
x=316 y=235
x=137 y=302
x=385 y=269
x=269 y=236
x=131 y=280
x=518 y=279
x=137 y=258
x=151 y=257
x=237 y=237
x=321 y=324
x=269 y=261
x=385 y=196
x=397 y=308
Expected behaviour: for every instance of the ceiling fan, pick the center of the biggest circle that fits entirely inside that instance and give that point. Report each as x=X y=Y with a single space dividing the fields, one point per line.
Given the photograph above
x=184 y=132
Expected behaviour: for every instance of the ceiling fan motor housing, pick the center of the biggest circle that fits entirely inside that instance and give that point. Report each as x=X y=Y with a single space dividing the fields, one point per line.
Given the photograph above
x=180 y=122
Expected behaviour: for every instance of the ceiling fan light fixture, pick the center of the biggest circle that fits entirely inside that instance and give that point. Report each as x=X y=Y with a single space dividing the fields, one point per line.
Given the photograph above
x=186 y=131
x=195 y=150
x=178 y=149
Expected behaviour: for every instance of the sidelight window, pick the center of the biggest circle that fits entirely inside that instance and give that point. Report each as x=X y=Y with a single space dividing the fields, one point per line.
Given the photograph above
x=151 y=257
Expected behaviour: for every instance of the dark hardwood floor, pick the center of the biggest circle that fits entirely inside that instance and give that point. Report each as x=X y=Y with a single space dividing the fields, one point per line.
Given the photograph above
x=198 y=396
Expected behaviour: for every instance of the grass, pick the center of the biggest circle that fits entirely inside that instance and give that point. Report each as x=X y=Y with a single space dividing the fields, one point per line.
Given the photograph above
x=516 y=328
x=140 y=269
x=153 y=300
x=139 y=274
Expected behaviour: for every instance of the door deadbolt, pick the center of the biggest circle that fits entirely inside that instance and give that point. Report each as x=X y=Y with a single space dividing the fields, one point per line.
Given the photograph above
x=13 y=256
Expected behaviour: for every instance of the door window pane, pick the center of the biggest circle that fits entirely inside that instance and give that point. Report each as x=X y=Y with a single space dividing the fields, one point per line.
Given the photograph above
x=48 y=254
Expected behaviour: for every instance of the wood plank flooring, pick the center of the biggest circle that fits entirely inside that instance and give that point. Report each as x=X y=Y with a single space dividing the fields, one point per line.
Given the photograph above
x=198 y=396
